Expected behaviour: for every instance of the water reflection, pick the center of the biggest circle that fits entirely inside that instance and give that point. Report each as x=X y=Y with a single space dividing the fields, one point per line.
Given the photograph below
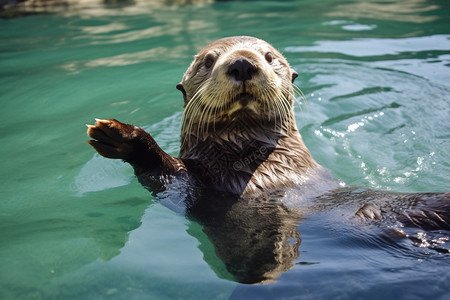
x=19 y=8
x=379 y=47
x=256 y=238
x=405 y=11
x=126 y=59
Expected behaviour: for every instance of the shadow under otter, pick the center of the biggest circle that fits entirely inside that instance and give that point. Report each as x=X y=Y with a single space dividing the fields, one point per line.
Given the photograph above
x=240 y=152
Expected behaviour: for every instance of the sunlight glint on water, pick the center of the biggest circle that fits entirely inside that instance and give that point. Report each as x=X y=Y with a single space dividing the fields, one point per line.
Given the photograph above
x=376 y=78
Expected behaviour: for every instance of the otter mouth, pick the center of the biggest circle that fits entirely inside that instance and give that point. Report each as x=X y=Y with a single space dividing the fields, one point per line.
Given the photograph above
x=244 y=98
x=244 y=104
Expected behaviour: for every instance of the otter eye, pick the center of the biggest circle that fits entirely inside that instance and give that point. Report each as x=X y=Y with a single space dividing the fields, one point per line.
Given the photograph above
x=209 y=61
x=269 y=57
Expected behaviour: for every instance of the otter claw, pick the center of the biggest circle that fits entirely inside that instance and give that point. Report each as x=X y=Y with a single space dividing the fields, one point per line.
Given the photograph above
x=101 y=121
x=90 y=130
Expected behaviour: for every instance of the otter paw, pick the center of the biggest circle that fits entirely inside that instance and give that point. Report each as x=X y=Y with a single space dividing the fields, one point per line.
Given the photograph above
x=111 y=138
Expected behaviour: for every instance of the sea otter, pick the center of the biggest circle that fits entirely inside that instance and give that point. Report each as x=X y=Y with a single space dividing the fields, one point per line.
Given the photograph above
x=239 y=133
x=239 y=136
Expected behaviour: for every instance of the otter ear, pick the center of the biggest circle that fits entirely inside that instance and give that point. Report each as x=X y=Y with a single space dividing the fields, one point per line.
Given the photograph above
x=181 y=88
x=294 y=75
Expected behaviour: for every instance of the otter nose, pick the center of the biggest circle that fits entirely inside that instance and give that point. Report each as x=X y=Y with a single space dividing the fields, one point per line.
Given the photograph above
x=242 y=70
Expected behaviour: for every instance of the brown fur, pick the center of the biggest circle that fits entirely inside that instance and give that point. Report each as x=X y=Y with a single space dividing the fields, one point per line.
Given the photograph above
x=238 y=136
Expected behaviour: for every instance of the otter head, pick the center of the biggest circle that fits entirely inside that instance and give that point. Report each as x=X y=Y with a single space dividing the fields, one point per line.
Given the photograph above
x=234 y=79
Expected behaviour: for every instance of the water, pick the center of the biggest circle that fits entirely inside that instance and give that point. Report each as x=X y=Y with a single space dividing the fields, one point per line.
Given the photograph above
x=73 y=225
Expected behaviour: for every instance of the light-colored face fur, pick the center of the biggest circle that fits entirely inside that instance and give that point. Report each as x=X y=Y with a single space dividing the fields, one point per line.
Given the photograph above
x=213 y=94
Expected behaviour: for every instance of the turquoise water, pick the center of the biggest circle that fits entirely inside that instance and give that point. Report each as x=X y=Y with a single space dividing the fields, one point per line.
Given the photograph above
x=376 y=76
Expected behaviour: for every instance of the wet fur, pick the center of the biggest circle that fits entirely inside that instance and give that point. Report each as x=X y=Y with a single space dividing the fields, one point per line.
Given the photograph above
x=241 y=138
x=232 y=144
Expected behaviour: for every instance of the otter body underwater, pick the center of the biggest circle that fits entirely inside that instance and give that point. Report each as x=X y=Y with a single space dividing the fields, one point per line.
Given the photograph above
x=239 y=136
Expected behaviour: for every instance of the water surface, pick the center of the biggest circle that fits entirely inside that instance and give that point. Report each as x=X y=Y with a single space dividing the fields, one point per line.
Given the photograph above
x=376 y=76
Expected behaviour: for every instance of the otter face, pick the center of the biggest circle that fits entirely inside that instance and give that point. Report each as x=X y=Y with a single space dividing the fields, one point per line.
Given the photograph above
x=233 y=78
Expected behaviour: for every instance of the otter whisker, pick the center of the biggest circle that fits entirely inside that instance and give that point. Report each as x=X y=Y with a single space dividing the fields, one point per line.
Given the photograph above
x=209 y=115
x=218 y=107
x=266 y=104
x=281 y=104
x=299 y=92
x=286 y=109
x=267 y=95
x=270 y=93
x=296 y=90
x=191 y=111
x=282 y=111
x=194 y=109
x=201 y=125
x=279 y=110
x=290 y=95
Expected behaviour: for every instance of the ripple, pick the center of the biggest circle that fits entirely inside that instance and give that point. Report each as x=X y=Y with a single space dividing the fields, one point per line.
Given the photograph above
x=378 y=47
x=364 y=91
x=384 y=126
x=114 y=26
x=126 y=59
